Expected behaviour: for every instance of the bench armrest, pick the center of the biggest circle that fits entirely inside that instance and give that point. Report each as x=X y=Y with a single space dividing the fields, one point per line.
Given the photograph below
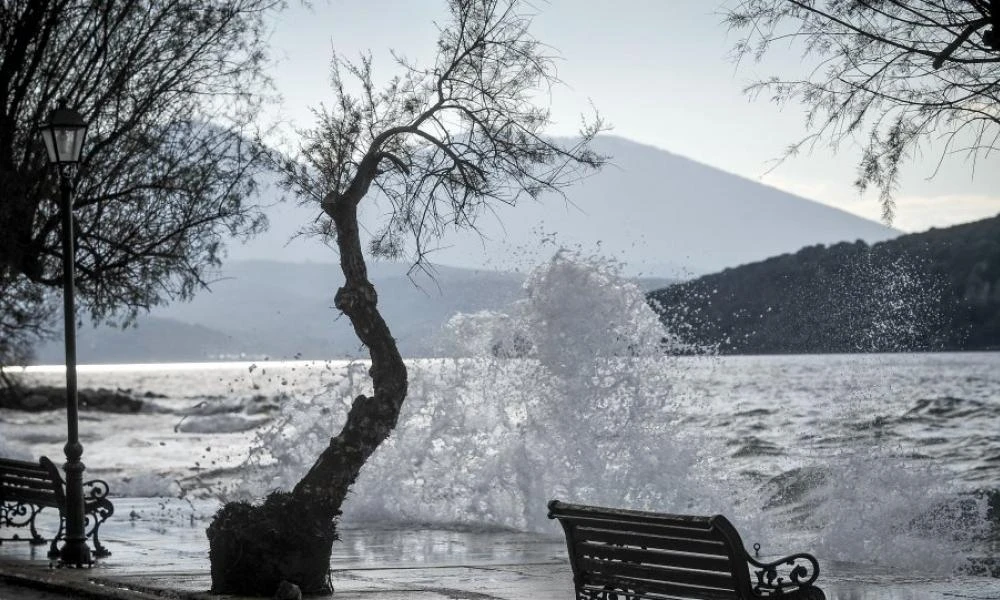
x=95 y=489
x=803 y=569
x=95 y=498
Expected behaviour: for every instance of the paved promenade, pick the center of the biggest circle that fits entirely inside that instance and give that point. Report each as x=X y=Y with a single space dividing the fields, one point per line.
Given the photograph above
x=159 y=550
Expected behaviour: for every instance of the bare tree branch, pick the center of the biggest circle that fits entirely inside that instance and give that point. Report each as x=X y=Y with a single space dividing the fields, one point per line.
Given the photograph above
x=894 y=75
x=171 y=90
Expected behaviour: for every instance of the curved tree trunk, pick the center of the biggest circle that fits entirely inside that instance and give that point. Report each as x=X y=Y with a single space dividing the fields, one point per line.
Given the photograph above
x=371 y=419
x=455 y=138
x=290 y=537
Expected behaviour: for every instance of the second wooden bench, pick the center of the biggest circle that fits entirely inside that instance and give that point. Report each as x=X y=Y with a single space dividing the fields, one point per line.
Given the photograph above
x=634 y=555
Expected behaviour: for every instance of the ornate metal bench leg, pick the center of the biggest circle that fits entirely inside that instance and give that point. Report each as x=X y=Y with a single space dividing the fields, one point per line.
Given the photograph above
x=99 y=550
x=98 y=509
x=54 y=547
x=813 y=593
x=36 y=539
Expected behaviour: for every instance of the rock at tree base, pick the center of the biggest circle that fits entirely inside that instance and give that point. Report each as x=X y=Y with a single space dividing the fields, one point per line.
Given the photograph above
x=253 y=549
x=288 y=591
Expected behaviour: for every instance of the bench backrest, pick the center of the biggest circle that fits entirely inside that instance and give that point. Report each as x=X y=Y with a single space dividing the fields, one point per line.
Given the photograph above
x=652 y=555
x=33 y=483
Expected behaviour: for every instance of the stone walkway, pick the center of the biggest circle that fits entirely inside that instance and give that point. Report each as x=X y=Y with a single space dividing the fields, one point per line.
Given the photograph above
x=159 y=550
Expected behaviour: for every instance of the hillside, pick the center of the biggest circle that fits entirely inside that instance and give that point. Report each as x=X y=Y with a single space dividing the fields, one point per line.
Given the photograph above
x=257 y=309
x=937 y=290
x=285 y=310
x=168 y=340
x=661 y=214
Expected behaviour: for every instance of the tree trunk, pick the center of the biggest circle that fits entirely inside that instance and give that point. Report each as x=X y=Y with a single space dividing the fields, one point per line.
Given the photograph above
x=7 y=383
x=290 y=536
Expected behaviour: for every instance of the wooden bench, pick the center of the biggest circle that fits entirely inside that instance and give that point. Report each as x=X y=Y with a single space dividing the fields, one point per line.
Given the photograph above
x=634 y=555
x=26 y=488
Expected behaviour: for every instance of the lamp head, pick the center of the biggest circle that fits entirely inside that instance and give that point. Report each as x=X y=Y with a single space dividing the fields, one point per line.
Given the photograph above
x=63 y=135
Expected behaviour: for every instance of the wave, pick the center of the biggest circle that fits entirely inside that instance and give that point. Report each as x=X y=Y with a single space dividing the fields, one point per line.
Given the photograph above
x=754 y=446
x=948 y=408
x=793 y=486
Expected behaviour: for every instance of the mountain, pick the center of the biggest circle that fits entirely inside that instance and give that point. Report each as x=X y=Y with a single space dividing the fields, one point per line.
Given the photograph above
x=165 y=339
x=661 y=214
x=937 y=290
x=285 y=310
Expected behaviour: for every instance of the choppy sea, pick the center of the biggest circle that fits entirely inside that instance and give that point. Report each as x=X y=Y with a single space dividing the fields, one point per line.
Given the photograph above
x=891 y=461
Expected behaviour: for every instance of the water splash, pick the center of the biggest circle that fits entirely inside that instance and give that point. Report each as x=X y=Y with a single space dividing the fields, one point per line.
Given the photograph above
x=875 y=498
x=877 y=508
x=569 y=394
x=584 y=411
x=889 y=304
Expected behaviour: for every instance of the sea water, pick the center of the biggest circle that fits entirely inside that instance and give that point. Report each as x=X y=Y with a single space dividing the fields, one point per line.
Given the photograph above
x=886 y=459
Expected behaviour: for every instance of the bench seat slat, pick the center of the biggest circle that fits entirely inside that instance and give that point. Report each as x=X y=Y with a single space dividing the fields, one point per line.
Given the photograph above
x=709 y=579
x=16 y=487
x=714 y=548
x=653 y=589
x=37 y=498
x=21 y=486
x=25 y=480
x=29 y=470
x=32 y=479
x=11 y=463
x=691 y=533
x=20 y=490
x=663 y=558
x=578 y=512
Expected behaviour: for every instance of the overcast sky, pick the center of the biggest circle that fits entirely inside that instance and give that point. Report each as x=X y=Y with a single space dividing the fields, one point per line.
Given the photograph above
x=659 y=71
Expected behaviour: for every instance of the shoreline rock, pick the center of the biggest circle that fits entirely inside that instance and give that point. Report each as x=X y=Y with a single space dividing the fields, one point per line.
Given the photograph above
x=45 y=397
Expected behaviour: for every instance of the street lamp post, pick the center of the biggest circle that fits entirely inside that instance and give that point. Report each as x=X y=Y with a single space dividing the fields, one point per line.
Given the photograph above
x=63 y=136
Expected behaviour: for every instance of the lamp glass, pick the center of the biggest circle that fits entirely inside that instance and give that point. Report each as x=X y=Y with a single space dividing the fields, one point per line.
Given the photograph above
x=63 y=135
x=63 y=144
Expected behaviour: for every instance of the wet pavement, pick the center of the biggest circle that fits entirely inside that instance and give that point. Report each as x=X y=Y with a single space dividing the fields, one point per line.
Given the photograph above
x=26 y=593
x=159 y=550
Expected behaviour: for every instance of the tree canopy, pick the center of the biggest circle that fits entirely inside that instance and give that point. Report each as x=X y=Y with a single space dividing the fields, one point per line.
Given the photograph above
x=440 y=143
x=171 y=90
x=888 y=74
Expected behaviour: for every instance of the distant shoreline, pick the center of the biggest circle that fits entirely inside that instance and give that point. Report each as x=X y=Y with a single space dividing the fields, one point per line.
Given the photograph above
x=196 y=365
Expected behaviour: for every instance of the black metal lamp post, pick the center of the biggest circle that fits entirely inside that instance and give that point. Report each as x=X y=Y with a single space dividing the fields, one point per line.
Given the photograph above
x=63 y=135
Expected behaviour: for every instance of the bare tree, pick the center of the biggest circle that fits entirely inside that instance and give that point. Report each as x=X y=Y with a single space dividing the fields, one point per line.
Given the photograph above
x=171 y=90
x=438 y=146
x=892 y=74
x=25 y=313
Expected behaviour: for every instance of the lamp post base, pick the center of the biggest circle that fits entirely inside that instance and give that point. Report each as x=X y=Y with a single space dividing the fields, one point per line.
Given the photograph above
x=75 y=553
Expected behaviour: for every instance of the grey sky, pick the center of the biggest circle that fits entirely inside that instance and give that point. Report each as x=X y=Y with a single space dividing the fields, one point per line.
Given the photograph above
x=659 y=72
